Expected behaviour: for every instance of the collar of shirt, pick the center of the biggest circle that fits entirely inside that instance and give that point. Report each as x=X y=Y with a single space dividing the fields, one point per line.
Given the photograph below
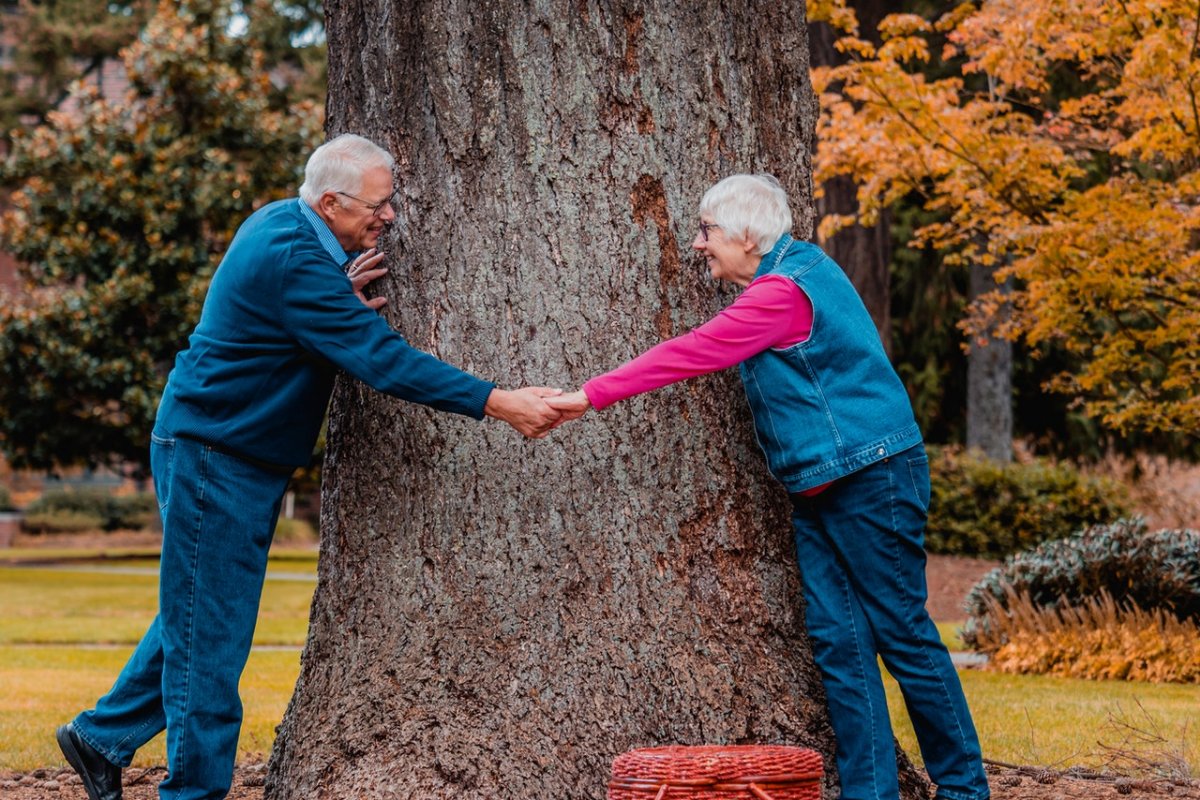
x=778 y=250
x=326 y=237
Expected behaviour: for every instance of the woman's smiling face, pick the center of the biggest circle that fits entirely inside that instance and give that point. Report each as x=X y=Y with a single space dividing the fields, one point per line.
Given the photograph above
x=728 y=259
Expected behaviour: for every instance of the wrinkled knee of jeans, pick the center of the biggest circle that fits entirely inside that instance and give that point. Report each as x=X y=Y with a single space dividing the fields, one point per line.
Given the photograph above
x=835 y=644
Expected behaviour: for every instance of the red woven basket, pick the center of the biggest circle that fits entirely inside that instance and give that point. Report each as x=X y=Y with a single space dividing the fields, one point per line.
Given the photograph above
x=736 y=772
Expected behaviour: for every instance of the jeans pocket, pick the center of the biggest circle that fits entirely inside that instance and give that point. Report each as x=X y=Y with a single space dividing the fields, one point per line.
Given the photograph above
x=162 y=464
x=918 y=471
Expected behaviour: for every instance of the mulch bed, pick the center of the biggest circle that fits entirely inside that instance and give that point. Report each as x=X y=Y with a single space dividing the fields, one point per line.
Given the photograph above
x=1007 y=783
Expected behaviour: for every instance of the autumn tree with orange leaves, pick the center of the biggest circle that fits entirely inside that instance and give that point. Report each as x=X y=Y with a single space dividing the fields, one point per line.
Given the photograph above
x=1063 y=149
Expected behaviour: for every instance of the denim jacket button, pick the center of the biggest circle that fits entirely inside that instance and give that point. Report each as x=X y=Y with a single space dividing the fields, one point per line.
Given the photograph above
x=881 y=451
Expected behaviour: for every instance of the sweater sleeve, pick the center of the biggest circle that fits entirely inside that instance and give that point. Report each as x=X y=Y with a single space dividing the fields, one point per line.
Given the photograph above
x=772 y=312
x=322 y=312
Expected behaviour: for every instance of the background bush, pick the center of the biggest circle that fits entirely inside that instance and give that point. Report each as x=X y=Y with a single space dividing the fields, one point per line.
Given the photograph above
x=6 y=503
x=61 y=522
x=979 y=507
x=134 y=512
x=1149 y=571
x=74 y=511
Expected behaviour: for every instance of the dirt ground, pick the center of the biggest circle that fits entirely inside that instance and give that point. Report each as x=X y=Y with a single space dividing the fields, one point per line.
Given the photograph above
x=1007 y=783
x=949 y=581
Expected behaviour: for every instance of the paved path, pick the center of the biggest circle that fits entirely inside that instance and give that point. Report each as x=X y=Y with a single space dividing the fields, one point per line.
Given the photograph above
x=968 y=660
x=150 y=571
x=283 y=648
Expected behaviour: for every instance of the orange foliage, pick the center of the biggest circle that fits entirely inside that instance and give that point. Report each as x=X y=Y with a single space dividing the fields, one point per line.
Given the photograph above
x=1064 y=147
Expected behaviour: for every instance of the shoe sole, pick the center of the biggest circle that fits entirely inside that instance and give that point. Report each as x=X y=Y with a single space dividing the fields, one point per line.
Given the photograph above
x=69 y=750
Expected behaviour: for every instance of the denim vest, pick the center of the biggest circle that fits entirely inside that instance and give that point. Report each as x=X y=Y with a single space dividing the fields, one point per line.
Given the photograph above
x=832 y=404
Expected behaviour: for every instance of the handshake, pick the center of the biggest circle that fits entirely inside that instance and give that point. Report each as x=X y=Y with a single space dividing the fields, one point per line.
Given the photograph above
x=536 y=410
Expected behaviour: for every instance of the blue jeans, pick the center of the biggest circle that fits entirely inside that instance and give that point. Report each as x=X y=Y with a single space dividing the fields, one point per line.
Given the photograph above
x=860 y=546
x=218 y=514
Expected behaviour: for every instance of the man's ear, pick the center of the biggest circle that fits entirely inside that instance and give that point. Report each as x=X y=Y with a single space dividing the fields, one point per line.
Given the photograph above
x=328 y=204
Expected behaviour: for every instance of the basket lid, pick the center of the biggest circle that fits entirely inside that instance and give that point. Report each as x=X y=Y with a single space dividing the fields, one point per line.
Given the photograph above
x=733 y=763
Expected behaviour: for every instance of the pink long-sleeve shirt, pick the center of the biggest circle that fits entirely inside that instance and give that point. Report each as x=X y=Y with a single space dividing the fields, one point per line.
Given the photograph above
x=772 y=312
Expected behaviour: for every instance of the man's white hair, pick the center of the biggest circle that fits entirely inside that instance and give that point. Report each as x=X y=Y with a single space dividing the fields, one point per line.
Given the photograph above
x=339 y=166
x=749 y=208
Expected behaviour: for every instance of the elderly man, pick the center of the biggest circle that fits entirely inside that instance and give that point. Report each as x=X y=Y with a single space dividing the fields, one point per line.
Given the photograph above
x=242 y=408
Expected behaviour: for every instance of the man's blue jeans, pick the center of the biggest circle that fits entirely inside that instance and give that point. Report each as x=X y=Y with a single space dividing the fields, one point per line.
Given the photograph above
x=860 y=546
x=218 y=514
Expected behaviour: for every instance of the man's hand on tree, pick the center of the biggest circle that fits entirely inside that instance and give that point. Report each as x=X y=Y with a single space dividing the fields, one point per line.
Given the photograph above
x=364 y=269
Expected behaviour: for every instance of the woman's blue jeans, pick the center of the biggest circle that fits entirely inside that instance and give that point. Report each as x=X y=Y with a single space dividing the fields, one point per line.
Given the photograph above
x=218 y=514
x=860 y=546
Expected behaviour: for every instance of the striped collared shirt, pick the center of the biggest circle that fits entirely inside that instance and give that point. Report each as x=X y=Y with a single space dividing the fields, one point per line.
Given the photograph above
x=328 y=240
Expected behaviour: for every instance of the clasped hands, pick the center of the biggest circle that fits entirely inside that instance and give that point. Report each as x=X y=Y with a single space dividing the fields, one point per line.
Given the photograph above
x=536 y=410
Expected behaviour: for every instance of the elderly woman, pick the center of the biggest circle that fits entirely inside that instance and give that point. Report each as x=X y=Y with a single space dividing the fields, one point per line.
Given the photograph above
x=838 y=432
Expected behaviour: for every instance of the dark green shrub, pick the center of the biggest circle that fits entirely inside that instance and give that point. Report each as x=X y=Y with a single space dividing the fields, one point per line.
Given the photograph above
x=74 y=506
x=90 y=502
x=61 y=522
x=6 y=503
x=1150 y=571
x=986 y=509
x=134 y=512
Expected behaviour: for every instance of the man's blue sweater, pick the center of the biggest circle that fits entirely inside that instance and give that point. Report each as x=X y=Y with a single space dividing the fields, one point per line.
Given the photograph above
x=279 y=320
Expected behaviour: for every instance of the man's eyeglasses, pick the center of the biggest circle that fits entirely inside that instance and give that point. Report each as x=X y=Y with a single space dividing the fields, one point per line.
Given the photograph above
x=704 y=226
x=375 y=208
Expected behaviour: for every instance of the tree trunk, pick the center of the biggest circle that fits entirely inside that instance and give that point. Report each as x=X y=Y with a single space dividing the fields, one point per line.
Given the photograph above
x=499 y=618
x=863 y=252
x=989 y=384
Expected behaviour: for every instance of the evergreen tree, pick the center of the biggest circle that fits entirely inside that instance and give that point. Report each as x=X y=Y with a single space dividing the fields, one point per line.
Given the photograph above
x=120 y=215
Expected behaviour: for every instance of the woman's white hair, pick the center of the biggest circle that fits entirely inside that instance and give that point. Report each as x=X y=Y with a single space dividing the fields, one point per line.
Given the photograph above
x=749 y=208
x=339 y=166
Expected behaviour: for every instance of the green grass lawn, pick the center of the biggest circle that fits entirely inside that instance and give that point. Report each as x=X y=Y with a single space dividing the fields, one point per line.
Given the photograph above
x=50 y=669
x=107 y=606
x=42 y=687
x=949 y=633
x=1059 y=722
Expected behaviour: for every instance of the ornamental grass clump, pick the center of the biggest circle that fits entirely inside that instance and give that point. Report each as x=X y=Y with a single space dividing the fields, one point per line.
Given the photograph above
x=1098 y=639
x=1113 y=601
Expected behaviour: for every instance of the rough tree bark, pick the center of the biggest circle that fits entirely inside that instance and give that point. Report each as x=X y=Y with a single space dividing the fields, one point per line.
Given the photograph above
x=499 y=618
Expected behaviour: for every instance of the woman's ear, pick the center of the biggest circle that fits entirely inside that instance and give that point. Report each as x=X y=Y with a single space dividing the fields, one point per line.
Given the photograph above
x=748 y=244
